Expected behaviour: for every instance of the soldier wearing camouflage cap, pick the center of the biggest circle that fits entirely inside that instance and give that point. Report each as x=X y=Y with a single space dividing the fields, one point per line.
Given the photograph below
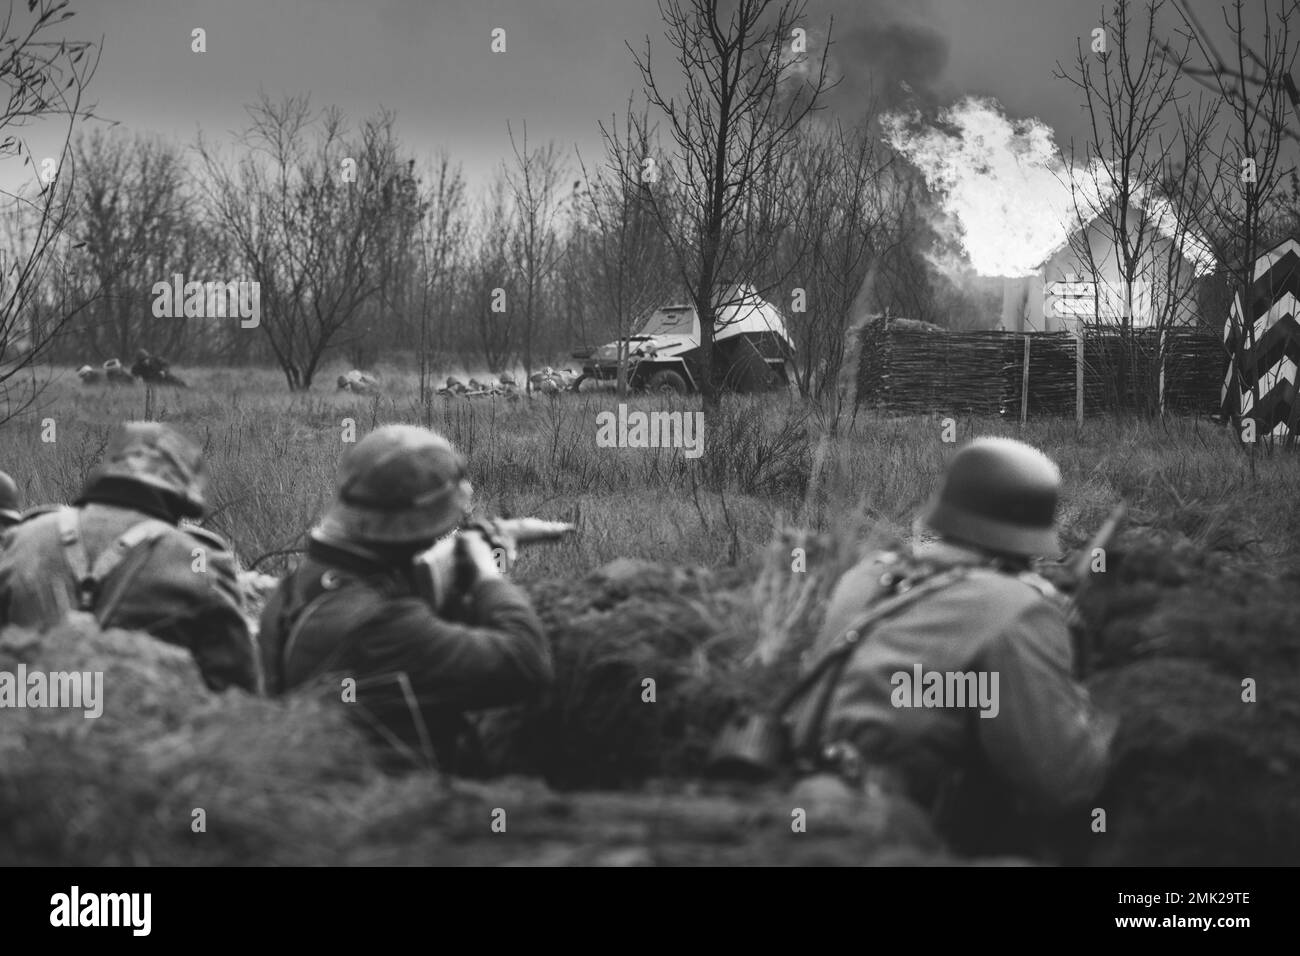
x=353 y=608
x=11 y=502
x=120 y=554
x=963 y=600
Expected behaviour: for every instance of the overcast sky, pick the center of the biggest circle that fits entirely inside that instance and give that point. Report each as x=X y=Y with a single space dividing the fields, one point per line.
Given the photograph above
x=566 y=66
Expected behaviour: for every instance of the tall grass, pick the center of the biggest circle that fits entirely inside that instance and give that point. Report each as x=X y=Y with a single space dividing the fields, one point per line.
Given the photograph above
x=718 y=618
x=272 y=458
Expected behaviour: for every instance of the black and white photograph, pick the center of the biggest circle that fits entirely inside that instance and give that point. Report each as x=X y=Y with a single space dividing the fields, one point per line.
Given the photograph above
x=651 y=433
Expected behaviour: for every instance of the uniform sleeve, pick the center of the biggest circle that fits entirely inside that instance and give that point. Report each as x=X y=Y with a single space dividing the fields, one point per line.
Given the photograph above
x=1046 y=739
x=499 y=657
x=216 y=632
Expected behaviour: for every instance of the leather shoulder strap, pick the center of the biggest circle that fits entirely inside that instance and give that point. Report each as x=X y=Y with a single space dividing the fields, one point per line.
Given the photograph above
x=77 y=559
x=126 y=556
x=89 y=577
x=828 y=671
x=145 y=532
x=205 y=536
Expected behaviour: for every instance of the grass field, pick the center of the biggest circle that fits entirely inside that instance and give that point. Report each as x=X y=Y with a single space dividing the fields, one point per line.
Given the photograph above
x=1203 y=594
x=272 y=458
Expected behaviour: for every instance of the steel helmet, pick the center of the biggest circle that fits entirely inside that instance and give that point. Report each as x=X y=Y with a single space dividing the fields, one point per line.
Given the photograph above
x=401 y=484
x=11 y=501
x=157 y=455
x=999 y=494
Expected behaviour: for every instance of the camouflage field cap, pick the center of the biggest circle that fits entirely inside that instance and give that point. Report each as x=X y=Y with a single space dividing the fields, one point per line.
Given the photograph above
x=11 y=502
x=157 y=455
x=1001 y=495
x=401 y=484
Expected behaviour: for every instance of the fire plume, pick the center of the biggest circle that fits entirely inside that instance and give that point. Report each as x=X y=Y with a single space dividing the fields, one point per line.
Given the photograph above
x=1002 y=185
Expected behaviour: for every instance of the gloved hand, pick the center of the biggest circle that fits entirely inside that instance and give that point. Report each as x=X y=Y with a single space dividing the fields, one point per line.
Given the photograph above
x=446 y=574
x=475 y=559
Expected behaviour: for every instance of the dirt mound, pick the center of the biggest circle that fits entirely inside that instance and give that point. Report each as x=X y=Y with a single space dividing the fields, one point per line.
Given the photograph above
x=711 y=643
x=645 y=659
x=294 y=783
x=1202 y=775
x=124 y=788
x=655 y=826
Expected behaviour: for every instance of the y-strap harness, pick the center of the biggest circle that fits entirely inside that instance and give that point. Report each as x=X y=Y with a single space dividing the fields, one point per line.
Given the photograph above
x=905 y=589
x=135 y=543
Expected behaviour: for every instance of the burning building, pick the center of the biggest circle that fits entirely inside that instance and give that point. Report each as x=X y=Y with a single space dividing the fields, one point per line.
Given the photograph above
x=1084 y=279
x=1016 y=213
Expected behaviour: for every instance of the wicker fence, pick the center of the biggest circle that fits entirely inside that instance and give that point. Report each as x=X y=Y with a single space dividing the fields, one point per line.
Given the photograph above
x=923 y=370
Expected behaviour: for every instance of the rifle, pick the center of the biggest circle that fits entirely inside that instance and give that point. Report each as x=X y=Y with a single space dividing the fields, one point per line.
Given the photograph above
x=439 y=574
x=1082 y=576
x=436 y=569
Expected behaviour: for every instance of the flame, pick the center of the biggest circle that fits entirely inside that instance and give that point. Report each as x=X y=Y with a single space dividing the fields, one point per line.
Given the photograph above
x=1003 y=188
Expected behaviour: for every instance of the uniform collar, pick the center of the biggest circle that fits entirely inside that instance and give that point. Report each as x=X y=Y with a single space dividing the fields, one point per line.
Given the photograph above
x=135 y=495
x=345 y=554
x=938 y=551
x=946 y=554
x=357 y=558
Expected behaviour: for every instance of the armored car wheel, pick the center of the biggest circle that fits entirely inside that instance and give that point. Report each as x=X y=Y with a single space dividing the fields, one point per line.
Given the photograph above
x=666 y=381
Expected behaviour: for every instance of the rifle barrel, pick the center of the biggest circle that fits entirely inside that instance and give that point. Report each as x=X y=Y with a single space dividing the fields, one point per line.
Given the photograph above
x=1099 y=540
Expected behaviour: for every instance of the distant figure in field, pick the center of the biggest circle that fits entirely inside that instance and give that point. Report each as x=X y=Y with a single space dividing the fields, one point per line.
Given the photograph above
x=90 y=376
x=359 y=383
x=11 y=502
x=549 y=381
x=504 y=385
x=120 y=554
x=115 y=374
x=154 y=369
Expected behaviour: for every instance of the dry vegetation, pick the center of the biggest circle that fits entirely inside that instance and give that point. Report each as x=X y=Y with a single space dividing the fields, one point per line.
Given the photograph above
x=1200 y=594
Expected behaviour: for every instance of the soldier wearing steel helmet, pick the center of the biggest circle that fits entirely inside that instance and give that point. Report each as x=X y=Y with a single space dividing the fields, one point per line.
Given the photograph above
x=11 y=502
x=119 y=554
x=977 y=607
x=354 y=609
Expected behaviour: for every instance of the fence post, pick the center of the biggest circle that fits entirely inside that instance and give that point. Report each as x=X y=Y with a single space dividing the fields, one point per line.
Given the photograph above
x=1078 y=376
x=1024 y=384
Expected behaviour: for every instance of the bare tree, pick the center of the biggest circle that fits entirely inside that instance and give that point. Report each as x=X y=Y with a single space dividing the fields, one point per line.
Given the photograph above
x=386 y=316
x=746 y=86
x=443 y=230
x=1134 y=233
x=623 y=250
x=904 y=280
x=1238 y=204
x=494 y=276
x=306 y=214
x=535 y=185
x=847 y=222
x=45 y=78
x=132 y=221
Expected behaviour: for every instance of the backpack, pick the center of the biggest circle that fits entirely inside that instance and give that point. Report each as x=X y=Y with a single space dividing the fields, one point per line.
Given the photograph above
x=90 y=589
